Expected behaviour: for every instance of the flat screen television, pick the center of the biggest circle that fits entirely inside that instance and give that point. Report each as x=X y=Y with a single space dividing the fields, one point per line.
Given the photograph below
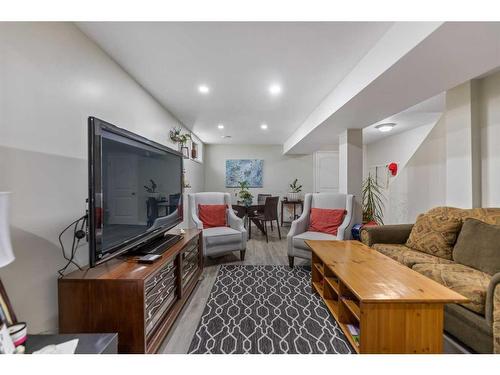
x=135 y=190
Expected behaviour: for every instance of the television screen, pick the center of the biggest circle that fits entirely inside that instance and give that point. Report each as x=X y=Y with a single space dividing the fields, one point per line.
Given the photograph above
x=137 y=192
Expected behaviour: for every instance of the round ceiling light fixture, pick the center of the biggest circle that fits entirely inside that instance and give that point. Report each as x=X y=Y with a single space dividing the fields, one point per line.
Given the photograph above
x=263 y=126
x=220 y=126
x=386 y=127
x=203 y=89
x=275 y=89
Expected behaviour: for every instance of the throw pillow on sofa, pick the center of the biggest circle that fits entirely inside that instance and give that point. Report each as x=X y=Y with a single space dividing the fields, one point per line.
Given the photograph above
x=478 y=246
x=326 y=220
x=435 y=235
x=212 y=215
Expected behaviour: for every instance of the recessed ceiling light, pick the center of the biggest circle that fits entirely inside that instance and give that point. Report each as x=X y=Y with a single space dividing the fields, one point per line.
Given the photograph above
x=275 y=89
x=387 y=127
x=263 y=126
x=220 y=126
x=204 y=89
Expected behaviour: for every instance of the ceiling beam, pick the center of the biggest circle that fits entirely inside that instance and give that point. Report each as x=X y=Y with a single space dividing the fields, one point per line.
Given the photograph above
x=410 y=63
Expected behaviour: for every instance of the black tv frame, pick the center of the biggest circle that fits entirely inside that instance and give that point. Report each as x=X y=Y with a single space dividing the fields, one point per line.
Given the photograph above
x=95 y=128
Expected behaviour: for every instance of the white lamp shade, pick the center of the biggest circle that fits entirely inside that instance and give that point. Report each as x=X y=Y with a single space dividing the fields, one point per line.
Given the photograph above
x=6 y=253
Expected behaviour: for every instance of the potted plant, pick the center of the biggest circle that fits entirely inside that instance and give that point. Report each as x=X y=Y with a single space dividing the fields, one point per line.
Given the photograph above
x=295 y=189
x=177 y=136
x=373 y=204
x=244 y=194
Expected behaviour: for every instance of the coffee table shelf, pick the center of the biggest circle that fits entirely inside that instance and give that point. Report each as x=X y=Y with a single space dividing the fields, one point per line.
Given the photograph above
x=333 y=283
x=328 y=286
x=319 y=267
x=353 y=307
x=392 y=308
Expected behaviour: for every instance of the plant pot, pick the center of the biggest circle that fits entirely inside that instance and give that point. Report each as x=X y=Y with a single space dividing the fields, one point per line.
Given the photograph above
x=293 y=197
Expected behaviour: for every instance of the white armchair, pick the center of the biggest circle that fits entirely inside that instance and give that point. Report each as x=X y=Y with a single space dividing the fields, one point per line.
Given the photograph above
x=220 y=239
x=299 y=230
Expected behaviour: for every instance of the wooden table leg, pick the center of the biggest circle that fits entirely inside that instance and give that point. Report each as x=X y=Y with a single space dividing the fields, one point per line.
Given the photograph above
x=259 y=225
x=282 y=204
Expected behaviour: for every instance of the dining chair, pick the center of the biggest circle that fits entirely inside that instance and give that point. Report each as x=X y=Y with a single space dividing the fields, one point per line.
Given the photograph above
x=270 y=214
x=261 y=198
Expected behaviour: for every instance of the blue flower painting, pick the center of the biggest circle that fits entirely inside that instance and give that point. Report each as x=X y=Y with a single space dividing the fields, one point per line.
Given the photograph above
x=249 y=170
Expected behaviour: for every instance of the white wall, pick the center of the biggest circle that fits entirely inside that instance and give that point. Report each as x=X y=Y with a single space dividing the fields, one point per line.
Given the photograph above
x=421 y=184
x=398 y=148
x=443 y=170
x=489 y=110
x=462 y=146
x=279 y=170
x=52 y=77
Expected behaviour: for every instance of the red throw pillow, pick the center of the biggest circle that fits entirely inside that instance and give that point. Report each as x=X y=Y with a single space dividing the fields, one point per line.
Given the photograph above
x=212 y=215
x=326 y=220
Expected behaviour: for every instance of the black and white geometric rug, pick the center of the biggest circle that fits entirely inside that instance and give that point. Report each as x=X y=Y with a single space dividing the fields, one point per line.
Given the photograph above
x=266 y=309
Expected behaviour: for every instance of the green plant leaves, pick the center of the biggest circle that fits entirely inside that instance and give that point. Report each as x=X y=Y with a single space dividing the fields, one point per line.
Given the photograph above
x=373 y=204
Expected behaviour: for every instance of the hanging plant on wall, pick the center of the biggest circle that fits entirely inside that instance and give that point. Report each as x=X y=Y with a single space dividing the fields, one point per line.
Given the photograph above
x=373 y=205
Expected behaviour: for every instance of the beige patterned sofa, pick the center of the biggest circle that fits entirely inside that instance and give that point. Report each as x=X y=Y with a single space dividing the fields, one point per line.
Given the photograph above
x=475 y=324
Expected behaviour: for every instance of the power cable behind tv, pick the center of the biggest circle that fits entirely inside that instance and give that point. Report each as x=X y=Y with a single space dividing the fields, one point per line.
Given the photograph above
x=78 y=233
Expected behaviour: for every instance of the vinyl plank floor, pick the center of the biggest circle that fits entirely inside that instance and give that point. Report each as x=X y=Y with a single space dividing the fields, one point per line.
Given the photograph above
x=259 y=252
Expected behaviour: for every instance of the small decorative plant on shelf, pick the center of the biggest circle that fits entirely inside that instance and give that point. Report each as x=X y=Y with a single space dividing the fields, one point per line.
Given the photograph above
x=177 y=136
x=373 y=204
x=244 y=194
x=295 y=189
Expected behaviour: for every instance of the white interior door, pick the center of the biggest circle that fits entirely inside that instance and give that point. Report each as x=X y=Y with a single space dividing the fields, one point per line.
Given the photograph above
x=326 y=171
x=122 y=175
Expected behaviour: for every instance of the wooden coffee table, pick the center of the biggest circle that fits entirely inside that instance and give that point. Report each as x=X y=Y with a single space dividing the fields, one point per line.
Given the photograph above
x=396 y=309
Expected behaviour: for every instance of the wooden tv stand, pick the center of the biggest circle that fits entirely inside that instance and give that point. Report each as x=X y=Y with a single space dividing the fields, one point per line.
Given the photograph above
x=139 y=301
x=396 y=309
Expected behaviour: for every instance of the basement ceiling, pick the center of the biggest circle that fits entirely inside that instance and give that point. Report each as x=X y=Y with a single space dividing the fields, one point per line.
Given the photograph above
x=237 y=61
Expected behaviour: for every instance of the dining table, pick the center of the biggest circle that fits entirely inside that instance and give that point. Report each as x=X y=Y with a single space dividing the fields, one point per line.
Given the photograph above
x=246 y=212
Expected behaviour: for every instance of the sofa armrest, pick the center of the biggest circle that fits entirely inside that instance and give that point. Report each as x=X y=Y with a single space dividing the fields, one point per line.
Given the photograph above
x=299 y=225
x=397 y=234
x=234 y=221
x=493 y=310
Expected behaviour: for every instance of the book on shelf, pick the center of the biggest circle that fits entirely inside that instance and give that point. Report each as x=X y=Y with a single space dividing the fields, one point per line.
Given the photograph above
x=354 y=331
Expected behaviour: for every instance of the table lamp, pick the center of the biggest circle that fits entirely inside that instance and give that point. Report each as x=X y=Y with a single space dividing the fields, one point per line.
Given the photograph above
x=6 y=253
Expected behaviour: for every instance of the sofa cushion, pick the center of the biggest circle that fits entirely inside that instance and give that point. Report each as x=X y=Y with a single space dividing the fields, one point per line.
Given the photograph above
x=407 y=256
x=434 y=235
x=298 y=240
x=213 y=215
x=478 y=246
x=467 y=281
x=488 y=215
x=326 y=220
x=221 y=236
